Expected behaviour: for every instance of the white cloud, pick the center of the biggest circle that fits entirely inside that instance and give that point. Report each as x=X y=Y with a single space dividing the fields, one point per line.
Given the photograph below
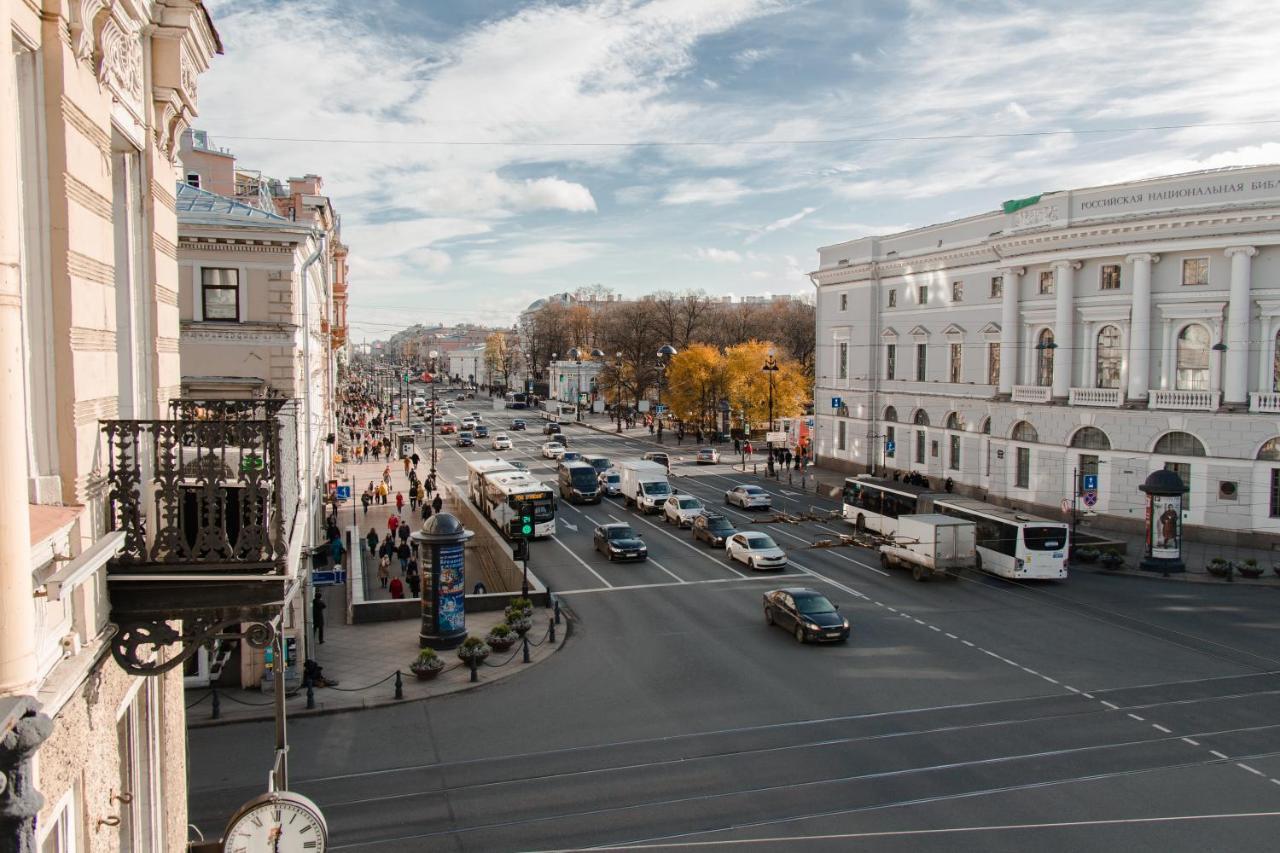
x=708 y=191
x=719 y=256
x=744 y=59
x=780 y=224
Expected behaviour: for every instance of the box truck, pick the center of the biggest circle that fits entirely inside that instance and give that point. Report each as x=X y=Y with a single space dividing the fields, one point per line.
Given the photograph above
x=932 y=545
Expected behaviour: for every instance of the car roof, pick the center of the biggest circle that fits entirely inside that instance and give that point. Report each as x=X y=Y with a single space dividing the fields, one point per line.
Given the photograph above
x=615 y=525
x=794 y=590
x=755 y=534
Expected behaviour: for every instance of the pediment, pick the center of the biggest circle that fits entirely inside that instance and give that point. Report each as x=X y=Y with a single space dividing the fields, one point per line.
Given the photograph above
x=919 y=332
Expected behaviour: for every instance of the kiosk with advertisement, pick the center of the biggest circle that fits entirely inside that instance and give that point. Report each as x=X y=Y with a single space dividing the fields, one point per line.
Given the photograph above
x=1163 y=544
x=441 y=546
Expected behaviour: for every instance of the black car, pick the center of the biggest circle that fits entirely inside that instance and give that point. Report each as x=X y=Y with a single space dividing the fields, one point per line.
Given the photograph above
x=551 y=428
x=659 y=457
x=517 y=425
x=712 y=528
x=466 y=439
x=807 y=614
x=619 y=542
x=558 y=438
x=481 y=431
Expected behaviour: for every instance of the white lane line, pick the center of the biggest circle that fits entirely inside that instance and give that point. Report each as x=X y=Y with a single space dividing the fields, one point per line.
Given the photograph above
x=825 y=579
x=849 y=559
x=893 y=609
x=668 y=571
x=1161 y=728
x=1087 y=695
x=969 y=644
x=1069 y=687
x=570 y=552
x=935 y=628
x=1136 y=717
x=1030 y=670
x=1111 y=706
x=1219 y=754
x=1252 y=770
x=1050 y=680
x=1190 y=741
x=989 y=652
x=1277 y=781
x=949 y=634
x=918 y=621
x=663 y=585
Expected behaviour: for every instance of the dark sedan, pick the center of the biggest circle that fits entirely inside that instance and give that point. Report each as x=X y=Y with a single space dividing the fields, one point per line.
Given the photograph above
x=517 y=425
x=550 y=428
x=807 y=614
x=713 y=529
x=481 y=431
x=619 y=542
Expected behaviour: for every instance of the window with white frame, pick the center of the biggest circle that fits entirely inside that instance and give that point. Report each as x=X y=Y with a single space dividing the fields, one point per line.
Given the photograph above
x=893 y=298
x=842 y=360
x=1192 y=359
x=955 y=362
x=890 y=361
x=957 y=291
x=137 y=741
x=841 y=434
x=220 y=294
x=993 y=364
x=844 y=302
x=997 y=286
x=1022 y=468
x=954 y=462
x=922 y=294
x=922 y=361
x=1195 y=272
x=920 y=443
x=193 y=179
x=1109 y=277
x=1044 y=358
x=1110 y=357
x=1046 y=282
x=890 y=442
x=61 y=833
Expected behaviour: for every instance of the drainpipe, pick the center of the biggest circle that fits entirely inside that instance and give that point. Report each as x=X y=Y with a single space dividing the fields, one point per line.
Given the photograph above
x=309 y=454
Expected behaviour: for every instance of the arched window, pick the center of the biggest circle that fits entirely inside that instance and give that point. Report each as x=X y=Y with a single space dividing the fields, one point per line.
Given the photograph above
x=954 y=421
x=986 y=426
x=1270 y=452
x=921 y=418
x=1024 y=431
x=1178 y=444
x=1193 y=359
x=1091 y=438
x=1110 y=356
x=1044 y=357
x=890 y=414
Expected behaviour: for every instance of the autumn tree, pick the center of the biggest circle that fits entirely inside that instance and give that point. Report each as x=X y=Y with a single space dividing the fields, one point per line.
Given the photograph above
x=747 y=383
x=695 y=383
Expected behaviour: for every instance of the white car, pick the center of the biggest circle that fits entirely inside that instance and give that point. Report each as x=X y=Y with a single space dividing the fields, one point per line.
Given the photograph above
x=552 y=450
x=479 y=418
x=757 y=550
x=501 y=441
x=681 y=510
x=468 y=423
x=748 y=497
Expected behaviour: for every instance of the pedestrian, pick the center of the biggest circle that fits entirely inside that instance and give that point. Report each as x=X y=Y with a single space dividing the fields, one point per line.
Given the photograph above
x=377 y=451
x=412 y=569
x=382 y=493
x=399 y=502
x=392 y=523
x=437 y=503
x=737 y=445
x=650 y=427
x=403 y=532
x=422 y=493
x=426 y=511
x=415 y=585
x=415 y=458
x=384 y=570
x=404 y=552
x=747 y=448
x=786 y=458
x=413 y=497
x=406 y=465
x=397 y=588
x=336 y=550
x=372 y=541
x=317 y=616
x=365 y=500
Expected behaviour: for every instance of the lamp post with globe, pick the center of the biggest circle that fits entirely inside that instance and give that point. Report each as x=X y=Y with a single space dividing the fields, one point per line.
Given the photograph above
x=665 y=353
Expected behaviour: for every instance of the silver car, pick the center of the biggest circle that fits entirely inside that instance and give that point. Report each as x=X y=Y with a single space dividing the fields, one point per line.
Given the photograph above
x=748 y=497
x=611 y=483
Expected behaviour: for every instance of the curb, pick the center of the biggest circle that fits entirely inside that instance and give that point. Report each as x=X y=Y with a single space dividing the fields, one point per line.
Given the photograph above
x=1181 y=577
x=322 y=710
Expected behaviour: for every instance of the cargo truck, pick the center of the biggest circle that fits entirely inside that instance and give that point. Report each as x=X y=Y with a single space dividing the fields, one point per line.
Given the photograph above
x=932 y=545
x=644 y=484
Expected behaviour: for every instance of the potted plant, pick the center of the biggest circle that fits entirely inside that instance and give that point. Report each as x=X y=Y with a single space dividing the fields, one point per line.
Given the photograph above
x=1086 y=554
x=519 y=621
x=501 y=637
x=1218 y=567
x=520 y=603
x=473 y=648
x=427 y=665
x=1111 y=559
x=1250 y=568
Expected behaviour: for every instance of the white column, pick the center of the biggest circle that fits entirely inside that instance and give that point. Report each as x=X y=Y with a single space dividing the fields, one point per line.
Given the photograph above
x=1009 y=329
x=1140 y=326
x=17 y=608
x=1235 y=382
x=1064 y=286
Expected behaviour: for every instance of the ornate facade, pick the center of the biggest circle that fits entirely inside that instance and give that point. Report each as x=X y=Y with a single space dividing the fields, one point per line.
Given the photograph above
x=1108 y=331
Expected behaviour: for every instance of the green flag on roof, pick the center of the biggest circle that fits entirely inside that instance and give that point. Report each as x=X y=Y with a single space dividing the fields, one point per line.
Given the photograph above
x=1019 y=203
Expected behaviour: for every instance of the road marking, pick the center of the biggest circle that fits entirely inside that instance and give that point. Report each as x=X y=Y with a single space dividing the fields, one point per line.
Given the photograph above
x=1069 y=687
x=969 y=644
x=935 y=628
x=1161 y=728
x=949 y=634
x=1087 y=695
x=1030 y=670
x=666 y=532
x=1190 y=741
x=1219 y=754
x=1050 y=680
x=1252 y=770
x=572 y=527
x=857 y=562
x=1136 y=717
x=1109 y=705
x=668 y=571
x=665 y=584
x=569 y=550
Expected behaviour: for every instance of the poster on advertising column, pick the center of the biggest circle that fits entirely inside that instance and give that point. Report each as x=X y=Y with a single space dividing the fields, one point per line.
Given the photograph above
x=451 y=614
x=1166 y=527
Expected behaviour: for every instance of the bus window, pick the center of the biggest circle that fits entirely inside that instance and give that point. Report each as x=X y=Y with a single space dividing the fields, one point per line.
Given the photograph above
x=1044 y=538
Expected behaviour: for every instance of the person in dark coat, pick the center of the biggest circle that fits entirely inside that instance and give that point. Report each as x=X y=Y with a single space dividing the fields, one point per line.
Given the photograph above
x=404 y=552
x=372 y=541
x=317 y=616
x=403 y=532
x=415 y=585
x=437 y=503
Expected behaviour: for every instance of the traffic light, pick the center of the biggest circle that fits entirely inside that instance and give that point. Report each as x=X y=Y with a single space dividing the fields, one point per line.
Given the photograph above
x=526 y=519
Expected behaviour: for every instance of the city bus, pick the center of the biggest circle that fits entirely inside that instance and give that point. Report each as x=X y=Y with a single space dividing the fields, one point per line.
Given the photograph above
x=516 y=400
x=477 y=470
x=874 y=503
x=502 y=491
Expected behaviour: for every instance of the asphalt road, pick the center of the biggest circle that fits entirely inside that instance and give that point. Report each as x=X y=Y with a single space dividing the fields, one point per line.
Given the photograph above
x=985 y=715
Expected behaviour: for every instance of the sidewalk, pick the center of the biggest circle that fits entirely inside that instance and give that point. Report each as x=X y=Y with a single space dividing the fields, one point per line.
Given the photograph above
x=378 y=514
x=364 y=660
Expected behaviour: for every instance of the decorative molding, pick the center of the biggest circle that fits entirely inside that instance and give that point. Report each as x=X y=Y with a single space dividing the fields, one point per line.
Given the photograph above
x=1247 y=251
x=87 y=197
x=92 y=340
x=1142 y=256
x=82 y=26
x=164 y=246
x=209 y=246
x=118 y=60
x=240 y=334
x=166 y=344
x=1034 y=216
x=162 y=195
x=92 y=411
x=165 y=296
x=87 y=127
x=91 y=269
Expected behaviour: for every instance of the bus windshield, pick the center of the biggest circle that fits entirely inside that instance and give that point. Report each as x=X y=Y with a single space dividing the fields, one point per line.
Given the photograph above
x=1044 y=538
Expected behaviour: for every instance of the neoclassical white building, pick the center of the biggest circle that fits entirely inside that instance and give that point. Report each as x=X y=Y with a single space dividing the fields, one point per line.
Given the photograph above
x=1112 y=330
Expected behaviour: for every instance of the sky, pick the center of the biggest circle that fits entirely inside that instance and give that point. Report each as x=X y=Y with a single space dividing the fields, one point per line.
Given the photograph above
x=485 y=153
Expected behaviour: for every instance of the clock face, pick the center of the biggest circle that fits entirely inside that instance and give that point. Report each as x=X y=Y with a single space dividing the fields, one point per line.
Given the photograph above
x=277 y=823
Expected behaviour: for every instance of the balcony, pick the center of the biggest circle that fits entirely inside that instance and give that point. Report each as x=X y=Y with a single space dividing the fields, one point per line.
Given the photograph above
x=1267 y=402
x=1107 y=398
x=1193 y=401
x=1032 y=393
x=207 y=503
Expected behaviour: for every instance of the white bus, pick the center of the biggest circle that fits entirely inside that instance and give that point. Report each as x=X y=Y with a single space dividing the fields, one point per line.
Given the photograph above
x=501 y=491
x=477 y=470
x=1011 y=544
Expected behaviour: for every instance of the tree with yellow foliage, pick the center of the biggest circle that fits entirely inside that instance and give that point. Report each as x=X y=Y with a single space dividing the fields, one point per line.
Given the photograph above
x=747 y=383
x=695 y=382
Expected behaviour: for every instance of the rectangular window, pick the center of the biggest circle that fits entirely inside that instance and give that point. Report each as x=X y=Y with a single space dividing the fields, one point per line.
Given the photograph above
x=957 y=291
x=193 y=179
x=1022 y=469
x=893 y=298
x=840 y=434
x=1275 y=492
x=955 y=453
x=933 y=449
x=1183 y=470
x=1088 y=465
x=220 y=292
x=842 y=366
x=139 y=776
x=61 y=834
x=920 y=440
x=891 y=361
x=993 y=364
x=997 y=286
x=844 y=302
x=891 y=450
x=1195 y=271
x=1110 y=277
x=922 y=294
x=955 y=368
x=922 y=365
x=1046 y=282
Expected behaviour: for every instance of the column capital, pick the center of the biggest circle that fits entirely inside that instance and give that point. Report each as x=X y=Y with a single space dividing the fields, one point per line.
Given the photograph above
x=1012 y=271
x=1144 y=257
x=1064 y=264
x=1247 y=251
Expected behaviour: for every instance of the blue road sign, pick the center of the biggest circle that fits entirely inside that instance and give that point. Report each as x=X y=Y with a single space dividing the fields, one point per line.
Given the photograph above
x=343 y=493
x=1090 y=482
x=328 y=577
x=836 y=402
x=890 y=446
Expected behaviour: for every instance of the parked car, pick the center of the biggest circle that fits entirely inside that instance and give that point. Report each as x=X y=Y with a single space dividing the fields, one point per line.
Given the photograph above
x=681 y=510
x=708 y=456
x=550 y=428
x=481 y=431
x=517 y=425
x=619 y=542
x=448 y=428
x=807 y=614
x=757 y=550
x=713 y=529
x=466 y=439
x=658 y=456
x=502 y=441
x=611 y=483
x=747 y=497
x=552 y=450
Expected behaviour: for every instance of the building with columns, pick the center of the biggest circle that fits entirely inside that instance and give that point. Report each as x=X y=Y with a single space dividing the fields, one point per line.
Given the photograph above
x=1112 y=330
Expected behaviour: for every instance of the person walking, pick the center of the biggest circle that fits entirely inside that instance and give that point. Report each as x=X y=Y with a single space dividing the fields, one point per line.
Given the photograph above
x=407 y=462
x=392 y=523
x=397 y=588
x=399 y=502
x=336 y=550
x=426 y=511
x=415 y=585
x=403 y=532
x=404 y=552
x=377 y=452
x=413 y=497
x=382 y=493
x=317 y=616
x=415 y=459
x=384 y=570
x=365 y=499
x=372 y=541
x=437 y=503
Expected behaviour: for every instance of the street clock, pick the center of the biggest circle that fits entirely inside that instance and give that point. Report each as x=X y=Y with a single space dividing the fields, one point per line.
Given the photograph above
x=277 y=822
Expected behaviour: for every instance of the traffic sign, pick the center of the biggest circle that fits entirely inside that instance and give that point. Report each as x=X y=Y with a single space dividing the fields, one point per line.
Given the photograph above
x=344 y=493
x=1090 y=482
x=890 y=446
x=1090 y=498
x=837 y=403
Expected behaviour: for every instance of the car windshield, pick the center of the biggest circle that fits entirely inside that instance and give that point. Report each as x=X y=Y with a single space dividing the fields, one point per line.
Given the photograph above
x=719 y=524
x=600 y=464
x=760 y=543
x=657 y=489
x=583 y=477
x=1044 y=538
x=612 y=478
x=621 y=533
x=690 y=503
x=812 y=604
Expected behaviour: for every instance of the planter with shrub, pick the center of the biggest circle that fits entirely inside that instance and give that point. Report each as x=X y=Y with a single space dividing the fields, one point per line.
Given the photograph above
x=473 y=648
x=1086 y=554
x=1250 y=568
x=501 y=637
x=427 y=665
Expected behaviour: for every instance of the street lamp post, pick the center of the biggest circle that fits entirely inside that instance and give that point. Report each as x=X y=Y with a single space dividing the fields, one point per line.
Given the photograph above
x=596 y=353
x=617 y=405
x=770 y=367
x=435 y=414
x=664 y=353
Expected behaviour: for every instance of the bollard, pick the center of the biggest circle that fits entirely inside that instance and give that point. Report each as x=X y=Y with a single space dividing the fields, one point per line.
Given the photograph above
x=525 y=640
x=399 y=686
x=557 y=611
x=311 y=695
x=472 y=663
x=553 y=627
x=217 y=703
